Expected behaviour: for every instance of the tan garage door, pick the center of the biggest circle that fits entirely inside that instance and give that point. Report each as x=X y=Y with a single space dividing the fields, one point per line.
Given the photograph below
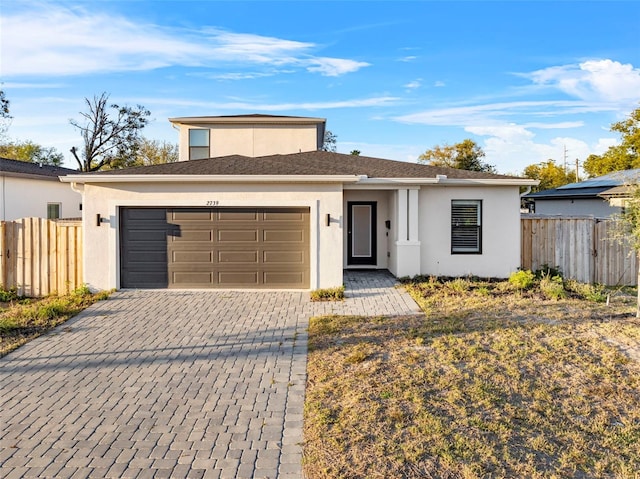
x=215 y=247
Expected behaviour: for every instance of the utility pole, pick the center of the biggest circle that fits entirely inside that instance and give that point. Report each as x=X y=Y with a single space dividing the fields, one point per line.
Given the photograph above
x=564 y=147
x=577 y=175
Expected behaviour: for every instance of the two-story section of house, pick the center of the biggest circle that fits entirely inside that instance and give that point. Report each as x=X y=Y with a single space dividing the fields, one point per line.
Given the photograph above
x=247 y=135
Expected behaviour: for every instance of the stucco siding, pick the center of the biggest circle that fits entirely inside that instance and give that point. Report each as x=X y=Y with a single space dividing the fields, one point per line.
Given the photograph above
x=27 y=197
x=253 y=140
x=500 y=231
x=102 y=242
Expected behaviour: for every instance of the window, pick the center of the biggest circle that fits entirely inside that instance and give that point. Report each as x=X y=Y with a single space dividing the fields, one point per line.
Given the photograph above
x=466 y=226
x=53 y=211
x=199 y=144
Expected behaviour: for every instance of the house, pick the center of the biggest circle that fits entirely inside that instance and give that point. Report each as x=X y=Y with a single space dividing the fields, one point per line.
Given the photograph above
x=248 y=135
x=34 y=190
x=293 y=219
x=598 y=197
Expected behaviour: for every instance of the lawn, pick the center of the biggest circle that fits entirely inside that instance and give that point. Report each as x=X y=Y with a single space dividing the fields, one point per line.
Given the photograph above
x=23 y=319
x=495 y=380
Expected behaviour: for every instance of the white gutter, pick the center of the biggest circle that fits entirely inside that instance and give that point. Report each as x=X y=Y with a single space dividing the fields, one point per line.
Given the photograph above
x=211 y=178
x=443 y=180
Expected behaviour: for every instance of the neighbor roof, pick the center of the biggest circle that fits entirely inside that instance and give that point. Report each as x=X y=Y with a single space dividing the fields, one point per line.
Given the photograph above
x=590 y=188
x=305 y=163
x=10 y=167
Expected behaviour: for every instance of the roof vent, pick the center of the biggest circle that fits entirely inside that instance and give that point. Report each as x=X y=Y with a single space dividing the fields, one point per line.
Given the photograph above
x=441 y=177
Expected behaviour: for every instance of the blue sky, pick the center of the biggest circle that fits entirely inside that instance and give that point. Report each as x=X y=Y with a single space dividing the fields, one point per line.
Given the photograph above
x=524 y=80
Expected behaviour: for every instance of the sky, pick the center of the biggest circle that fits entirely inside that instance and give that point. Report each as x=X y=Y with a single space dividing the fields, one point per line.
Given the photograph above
x=527 y=81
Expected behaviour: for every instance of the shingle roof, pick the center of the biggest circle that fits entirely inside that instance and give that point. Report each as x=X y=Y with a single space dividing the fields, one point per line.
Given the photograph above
x=16 y=167
x=306 y=163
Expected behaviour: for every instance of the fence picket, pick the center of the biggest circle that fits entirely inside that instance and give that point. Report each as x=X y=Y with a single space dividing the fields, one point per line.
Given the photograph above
x=582 y=247
x=39 y=257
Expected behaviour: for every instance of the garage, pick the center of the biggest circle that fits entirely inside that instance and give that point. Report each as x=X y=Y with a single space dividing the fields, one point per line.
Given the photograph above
x=214 y=248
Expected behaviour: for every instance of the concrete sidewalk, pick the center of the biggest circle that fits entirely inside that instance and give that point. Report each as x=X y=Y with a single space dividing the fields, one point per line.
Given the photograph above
x=184 y=384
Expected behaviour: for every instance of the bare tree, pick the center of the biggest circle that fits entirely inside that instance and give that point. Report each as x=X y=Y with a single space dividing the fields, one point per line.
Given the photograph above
x=111 y=134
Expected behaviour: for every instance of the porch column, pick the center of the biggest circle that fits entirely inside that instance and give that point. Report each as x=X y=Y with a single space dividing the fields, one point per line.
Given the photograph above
x=406 y=248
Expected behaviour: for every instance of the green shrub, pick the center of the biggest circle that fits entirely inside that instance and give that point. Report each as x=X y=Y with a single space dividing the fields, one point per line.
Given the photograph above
x=591 y=292
x=328 y=294
x=553 y=287
x=546 y=270
x=522 y=279
x=459 y=285
x=7 y=296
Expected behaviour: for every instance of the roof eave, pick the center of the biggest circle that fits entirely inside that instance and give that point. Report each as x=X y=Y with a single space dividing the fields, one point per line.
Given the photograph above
x=210 y=178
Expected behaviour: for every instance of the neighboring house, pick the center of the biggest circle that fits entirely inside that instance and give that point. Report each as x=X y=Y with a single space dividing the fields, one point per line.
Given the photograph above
x=586 y=198
x=249 y=135
x=34 y=190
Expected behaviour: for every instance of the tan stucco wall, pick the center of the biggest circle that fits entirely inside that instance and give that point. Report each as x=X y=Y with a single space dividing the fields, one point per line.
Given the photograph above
x=26 y=197
x=500 y=231
x=253 y=140
x=101 y=266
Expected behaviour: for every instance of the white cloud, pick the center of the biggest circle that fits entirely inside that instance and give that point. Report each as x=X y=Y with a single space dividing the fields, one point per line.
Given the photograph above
x=593 y=80
x=439 y=84
x=248 y=106
x=76 y=41
x=408 y=59
x=333 y=67
x=412 y=85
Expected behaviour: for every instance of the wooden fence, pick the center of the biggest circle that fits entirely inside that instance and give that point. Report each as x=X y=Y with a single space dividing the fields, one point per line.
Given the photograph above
x=581 y=247
x=39 y=257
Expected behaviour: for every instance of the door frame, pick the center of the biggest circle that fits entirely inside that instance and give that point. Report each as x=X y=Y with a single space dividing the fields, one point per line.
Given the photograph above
x=362 y=260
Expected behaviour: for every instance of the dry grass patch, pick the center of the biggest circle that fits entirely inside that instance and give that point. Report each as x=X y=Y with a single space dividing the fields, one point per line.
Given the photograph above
x=24 y=319
x=489 y=383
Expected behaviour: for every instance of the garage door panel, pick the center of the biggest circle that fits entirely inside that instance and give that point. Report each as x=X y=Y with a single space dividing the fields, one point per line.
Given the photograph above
x=283 y=278
x=192 y=256
x=190 y=215
x=280 y=236
x=237 y=215
x=237 y=235
x=238 y=257
x=191 y=235
x=192 y=278
x=238 y=278
x=216 y=247
x=280 y=257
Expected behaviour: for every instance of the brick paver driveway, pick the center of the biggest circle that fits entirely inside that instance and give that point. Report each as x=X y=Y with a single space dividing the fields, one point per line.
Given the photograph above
x=171 y=384
x=160 y=384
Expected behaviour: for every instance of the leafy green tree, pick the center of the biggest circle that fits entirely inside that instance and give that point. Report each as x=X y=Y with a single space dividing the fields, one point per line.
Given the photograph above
x=329 y=143
x=624 y=156
x=549 y=174
x=355 y=152
x=154 y=152
x=5 y=116
x=110 y=134
x=466 y=155
x=627 y=229
x=31 y=152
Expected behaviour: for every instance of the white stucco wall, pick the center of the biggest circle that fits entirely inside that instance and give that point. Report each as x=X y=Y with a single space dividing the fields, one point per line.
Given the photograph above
x=382 y=199
x=27 y=197
x=101 y=243
x=500 y=231
x=253 y=140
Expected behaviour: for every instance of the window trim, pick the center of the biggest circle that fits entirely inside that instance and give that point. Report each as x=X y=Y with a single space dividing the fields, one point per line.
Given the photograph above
x=59 y=210
x=200 y=148
x=478 y=226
